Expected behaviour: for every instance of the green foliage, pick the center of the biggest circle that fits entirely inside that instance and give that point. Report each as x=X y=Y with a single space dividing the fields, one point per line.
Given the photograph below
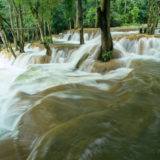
x=90 y=19
x=106 y=56
x=134 y=13
x=47 y=39
x=59 y=21
x=89 y=13
x=116 y=19
x=128 y=12
x=59 y=13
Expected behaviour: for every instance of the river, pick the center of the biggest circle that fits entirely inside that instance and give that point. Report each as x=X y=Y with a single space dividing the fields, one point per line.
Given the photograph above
x=58 y=111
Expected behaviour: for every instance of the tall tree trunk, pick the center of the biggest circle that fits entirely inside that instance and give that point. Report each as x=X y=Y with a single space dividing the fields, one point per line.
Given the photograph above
x=15 y=10
x=96 y=22
x=12 y=26
x=45 y=33
x=45 y=43
x=39 y=19
x=155 y=18
x=33 y=36
x=150 y=11
x=41 y=29
x=76 y=21
x=49 y=29
x=80 y=19
x=125 y=9
x=6 y=42
x=37 y=34
x=104 y=23
x=28 y=36
x=69 y=24
x=21 y=29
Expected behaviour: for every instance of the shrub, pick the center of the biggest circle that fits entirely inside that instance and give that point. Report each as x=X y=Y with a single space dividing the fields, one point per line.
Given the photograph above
x=106 y=56
x=47 y=40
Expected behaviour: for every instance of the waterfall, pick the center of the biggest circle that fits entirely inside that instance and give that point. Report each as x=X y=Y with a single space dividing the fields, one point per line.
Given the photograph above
x=28 y=81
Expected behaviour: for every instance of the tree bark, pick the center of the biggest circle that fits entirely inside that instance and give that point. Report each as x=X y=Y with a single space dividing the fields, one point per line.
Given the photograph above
x=28 y=36
x=35 y=13
x=22 y=30
x=45 y=33
x=6 y=41
x=15 y=10
x=49 y=51
x=153 y=15
x=125 y=9
x=155 y=18
x=96 y=23
x=80 y=19
x=150 y=10
x=37 y=34
x=104 y=23
x=33 y=36
x=69 y=24
x=40 y=25
x=49 y=29
x=12 y=26
x=76 y=21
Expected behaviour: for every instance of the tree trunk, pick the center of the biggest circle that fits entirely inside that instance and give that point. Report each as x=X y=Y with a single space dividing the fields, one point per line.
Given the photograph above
x=80 y=19
x=39 y=19
x=49 y=51
x=125 y=9
x=104 y=23
x=49 y=29
x=37 y=34
x=21 y=30
x=76 y=21
x=12 y=26
x=15 y=10
x=150 y=11
x=28 y=36
x=41 y=29
x=96 y=22
x=45 y=43
x=33 y=36
x=69 y=24
x=155 y=19
x=45 y=33
x=6 y=42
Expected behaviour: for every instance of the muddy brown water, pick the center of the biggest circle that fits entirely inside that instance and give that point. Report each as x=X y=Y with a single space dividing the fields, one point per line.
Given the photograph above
x=56 y=113
x=121 y=123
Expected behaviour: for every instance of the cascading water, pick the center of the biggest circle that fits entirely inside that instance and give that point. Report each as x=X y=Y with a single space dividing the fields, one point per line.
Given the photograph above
x=67 y=112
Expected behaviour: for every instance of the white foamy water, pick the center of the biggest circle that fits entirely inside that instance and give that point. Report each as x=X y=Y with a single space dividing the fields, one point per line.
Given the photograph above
x=22 y=75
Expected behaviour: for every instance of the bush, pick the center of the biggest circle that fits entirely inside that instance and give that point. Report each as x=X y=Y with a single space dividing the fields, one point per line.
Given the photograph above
x=47 y=39
x=106 y=56
x=116 y=19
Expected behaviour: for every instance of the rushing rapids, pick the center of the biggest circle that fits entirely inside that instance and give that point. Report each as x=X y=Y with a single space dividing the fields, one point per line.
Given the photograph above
x=71 y=107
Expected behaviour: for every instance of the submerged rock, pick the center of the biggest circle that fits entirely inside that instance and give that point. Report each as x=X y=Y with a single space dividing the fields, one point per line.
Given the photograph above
x=116 y=54
x=81 y=61
x=103 y=67
x=8 y=150
x=134 y=36
x=41 y=59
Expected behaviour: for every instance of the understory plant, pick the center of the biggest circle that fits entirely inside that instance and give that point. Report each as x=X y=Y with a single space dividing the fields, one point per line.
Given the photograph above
x=106 y=56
